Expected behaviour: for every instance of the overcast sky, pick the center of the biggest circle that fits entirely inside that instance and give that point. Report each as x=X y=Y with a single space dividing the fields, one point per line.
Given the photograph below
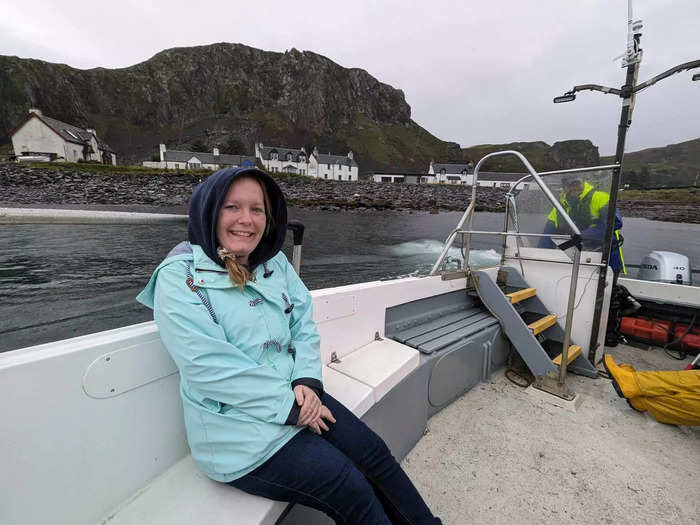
x=474 y=72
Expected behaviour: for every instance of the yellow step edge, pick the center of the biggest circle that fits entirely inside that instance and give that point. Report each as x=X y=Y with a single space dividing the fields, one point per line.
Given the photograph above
x=542 y=324
x=521 y=295
x=574 y=352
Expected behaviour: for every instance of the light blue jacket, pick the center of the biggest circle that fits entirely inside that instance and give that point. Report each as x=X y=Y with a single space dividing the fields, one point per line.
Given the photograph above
x=238 y=353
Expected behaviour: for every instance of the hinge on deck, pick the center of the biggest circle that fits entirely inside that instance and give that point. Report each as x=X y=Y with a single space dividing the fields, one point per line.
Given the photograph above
x=455 y=274
x=378 y=337
x=550 y=383
x=502 y=277
x=334 y=357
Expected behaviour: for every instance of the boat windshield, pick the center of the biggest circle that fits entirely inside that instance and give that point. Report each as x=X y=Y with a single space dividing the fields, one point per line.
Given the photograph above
x=583 y=195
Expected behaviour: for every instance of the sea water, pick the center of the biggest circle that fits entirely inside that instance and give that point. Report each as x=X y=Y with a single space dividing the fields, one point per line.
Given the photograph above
x=60 y=281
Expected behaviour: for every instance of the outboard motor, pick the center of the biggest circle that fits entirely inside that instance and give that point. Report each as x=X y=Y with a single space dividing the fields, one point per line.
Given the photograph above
x=666 y=267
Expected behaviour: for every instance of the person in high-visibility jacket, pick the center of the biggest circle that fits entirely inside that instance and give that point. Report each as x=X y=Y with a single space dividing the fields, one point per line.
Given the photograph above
x=588 y=208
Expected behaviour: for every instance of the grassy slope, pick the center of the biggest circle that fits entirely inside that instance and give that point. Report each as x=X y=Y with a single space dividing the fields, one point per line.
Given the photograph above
x=686 y=196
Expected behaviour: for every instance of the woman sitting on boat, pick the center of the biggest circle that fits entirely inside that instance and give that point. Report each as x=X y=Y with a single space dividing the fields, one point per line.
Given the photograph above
x=236 y=319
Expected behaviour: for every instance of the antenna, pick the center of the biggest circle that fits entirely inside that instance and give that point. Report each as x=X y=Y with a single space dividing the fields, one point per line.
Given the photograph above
x=633 y=54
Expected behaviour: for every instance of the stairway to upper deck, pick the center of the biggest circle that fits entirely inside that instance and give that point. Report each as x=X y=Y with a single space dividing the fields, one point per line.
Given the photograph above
x=531 y=328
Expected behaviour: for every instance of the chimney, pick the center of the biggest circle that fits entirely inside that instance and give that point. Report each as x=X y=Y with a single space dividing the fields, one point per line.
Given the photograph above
x=161 y=149
x=35 y=110
x=90 y=130
x=350 y=154
x=215 y=151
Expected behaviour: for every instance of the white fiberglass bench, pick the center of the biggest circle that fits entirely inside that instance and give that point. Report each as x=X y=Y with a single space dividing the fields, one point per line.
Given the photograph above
x=93 y=430
x=183 y=495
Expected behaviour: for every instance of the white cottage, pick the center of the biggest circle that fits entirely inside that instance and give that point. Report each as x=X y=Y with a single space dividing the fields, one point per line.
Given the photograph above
x=194 y=160
x=278 y=159
x=505 y=181
x=406 y=178
x=333 y=167
x=447 y=173
x=39 y=137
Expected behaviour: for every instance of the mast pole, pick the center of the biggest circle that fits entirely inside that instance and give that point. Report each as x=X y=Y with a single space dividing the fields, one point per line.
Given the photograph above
x=632 y=60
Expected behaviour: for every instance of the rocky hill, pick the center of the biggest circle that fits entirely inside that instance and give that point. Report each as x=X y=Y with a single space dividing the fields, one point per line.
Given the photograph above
x=671 y=166
x=561 y=155
x=225 y=94
x=231 y=95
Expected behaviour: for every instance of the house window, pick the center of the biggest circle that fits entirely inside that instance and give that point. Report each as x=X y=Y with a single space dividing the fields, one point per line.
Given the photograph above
x=274 y=156
x=326 y=176
x=329 y=166
x=442 y=171
x=195 y=165
x=289 y=156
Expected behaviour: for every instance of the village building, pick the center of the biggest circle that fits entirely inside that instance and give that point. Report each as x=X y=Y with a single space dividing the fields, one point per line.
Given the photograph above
x=278 y=159
x=43 y=138
x=505 y=181
x=452 y=173
x=333 y=167
x=195 y=160
x=449 y=173
x=404 y=178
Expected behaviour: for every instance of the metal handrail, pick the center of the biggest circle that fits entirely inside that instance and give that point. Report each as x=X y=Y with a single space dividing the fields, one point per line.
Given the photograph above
x=451 y=237
x=469 y=215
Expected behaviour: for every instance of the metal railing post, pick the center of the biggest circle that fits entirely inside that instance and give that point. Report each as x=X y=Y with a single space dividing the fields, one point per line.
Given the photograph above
x=569 y=317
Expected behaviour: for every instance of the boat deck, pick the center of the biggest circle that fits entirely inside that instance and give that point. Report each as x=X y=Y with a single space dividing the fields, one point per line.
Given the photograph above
x=500 y=455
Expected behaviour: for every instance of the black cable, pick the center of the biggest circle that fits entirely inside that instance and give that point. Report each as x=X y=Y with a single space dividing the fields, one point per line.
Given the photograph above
x=681 y=353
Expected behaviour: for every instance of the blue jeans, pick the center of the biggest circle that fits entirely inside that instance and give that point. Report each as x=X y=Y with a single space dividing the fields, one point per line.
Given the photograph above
x=347 y=473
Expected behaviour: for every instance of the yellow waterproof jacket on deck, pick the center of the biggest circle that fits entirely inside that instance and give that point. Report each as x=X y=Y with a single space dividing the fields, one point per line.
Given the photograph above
x=670 y=396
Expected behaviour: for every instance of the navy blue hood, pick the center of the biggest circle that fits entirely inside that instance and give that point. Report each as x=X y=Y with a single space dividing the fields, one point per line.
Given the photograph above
x=206 y=200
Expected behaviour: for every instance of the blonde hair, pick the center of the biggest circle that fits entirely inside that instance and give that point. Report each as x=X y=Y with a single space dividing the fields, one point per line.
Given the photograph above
x=237 y=273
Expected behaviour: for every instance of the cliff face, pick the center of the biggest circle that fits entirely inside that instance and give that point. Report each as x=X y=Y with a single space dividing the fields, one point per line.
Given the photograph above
x=226 y=94
x=671 y=166
x=230 y=96
x=561 y=155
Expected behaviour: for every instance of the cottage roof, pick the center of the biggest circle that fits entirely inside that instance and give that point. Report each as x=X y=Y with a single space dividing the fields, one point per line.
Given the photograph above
x=281 y=152
x=449 y=168
x=173 y=155
x=71 y=133
x=336 y=159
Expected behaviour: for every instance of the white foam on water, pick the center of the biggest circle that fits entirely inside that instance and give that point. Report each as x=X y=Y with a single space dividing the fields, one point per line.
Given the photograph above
x=431 y=248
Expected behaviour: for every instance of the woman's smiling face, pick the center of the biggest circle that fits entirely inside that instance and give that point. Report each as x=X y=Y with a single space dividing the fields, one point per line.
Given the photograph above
x=241 y=221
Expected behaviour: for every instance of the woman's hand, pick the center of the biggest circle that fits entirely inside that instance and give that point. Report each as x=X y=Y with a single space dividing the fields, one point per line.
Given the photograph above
x=318 y=424
x=310 y=405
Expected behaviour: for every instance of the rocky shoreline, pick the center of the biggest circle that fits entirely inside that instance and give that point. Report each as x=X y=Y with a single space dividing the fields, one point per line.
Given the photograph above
x=58 y=186
x=23 y=185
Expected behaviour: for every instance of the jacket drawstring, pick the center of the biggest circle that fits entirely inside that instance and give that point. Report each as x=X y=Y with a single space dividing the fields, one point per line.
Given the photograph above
x=267 y=273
